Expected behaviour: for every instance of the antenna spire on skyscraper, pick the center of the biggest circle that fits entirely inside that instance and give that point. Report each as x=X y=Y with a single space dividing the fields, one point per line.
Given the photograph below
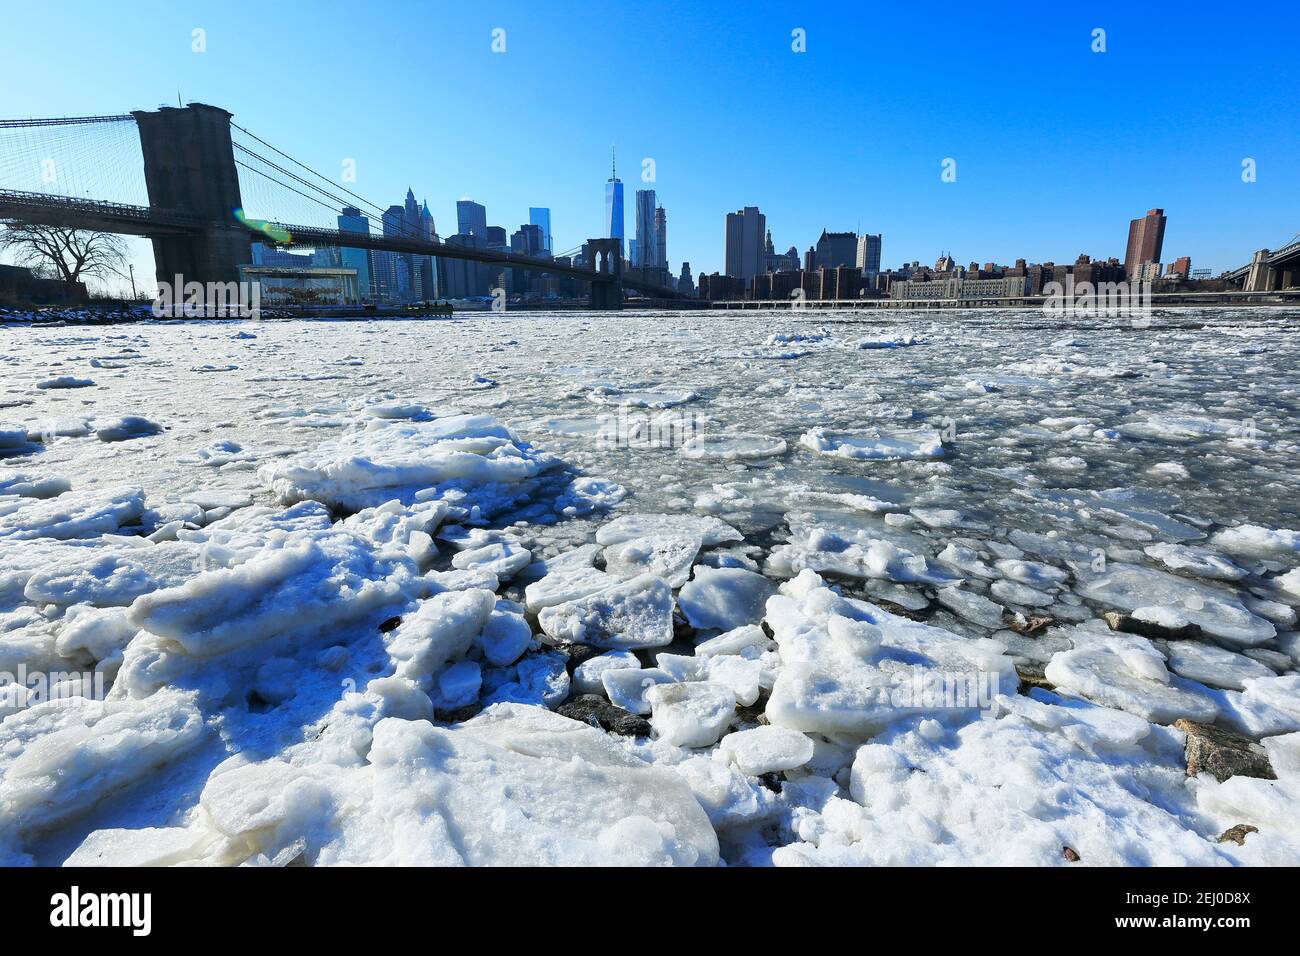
x=613 y=164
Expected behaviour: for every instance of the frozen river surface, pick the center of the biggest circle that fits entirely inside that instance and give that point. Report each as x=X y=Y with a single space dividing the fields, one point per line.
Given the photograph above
x=652 y=588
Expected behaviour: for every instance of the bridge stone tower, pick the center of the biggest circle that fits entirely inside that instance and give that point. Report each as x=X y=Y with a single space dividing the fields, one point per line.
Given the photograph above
x=606 y=256
x=1260 y=277
x=189 y=165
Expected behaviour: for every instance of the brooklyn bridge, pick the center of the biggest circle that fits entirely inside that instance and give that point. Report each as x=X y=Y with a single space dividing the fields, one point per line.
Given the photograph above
x=211 y=188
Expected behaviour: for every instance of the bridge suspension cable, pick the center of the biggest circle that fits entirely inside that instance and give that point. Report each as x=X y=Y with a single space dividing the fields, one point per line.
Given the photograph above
x=67 y=121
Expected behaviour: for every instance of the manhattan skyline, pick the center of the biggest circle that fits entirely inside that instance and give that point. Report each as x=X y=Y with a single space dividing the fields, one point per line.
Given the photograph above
x=1040 y=173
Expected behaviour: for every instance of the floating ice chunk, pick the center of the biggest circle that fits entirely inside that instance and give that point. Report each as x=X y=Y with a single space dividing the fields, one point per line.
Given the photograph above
x=767 y=750
x=1162 y=426
x=609 y=395
x=741 y=640
x=731 y=799
x=1169 y=470
x=148 y=846
x=946 y=519
x=440 y=632
x=1252 y=541
x=1213 y=666
x=1168 y=618
x=891 y=341
x=1089 y=725
x=114 y=578
x=29 y=484
x=1126 y=673
x=860 y=556
x=691 y=715
x=1215 y=610
x=457 y=686
x=1032 y=573
x=1266 y=705
x=712 y=531
x=60 y=758
x=12 y=436
x=1199 y=561
x=722 y=599
x=973 y=607
x=503 y=559
x=1022 y=594
x=74 y=514
x=875 y=444
x=541 y=679
x=98 y=632
x=959 y=800
x=1288 y=585
x=298 y=586
x=505 y=636
x=367 y=467
x=587 y=675
x=126 y=428
x=565 y=584
x=583 y=495
x=743 y=676
x=669 y=556
x=65 y=381
x=400 y=697
x=627 y=688
x=730 y=447
x=393 y=411
x=967 y=561
x=579 y=426
x=629 y=614
x=580 y=557
x=860 y=675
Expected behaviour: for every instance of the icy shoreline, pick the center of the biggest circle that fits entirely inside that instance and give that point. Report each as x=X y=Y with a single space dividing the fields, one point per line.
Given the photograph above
x=653 y=589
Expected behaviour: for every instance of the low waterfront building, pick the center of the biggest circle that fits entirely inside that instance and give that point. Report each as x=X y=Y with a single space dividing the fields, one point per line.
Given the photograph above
x=293 y=285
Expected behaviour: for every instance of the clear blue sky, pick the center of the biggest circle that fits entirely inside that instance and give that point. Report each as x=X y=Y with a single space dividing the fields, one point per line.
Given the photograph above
x=1057 y=147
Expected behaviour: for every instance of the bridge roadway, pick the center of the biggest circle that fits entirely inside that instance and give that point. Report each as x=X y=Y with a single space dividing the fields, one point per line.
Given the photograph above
x=70 y=212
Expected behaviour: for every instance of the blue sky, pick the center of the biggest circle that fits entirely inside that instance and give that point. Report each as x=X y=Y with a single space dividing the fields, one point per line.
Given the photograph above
x=1056 y=147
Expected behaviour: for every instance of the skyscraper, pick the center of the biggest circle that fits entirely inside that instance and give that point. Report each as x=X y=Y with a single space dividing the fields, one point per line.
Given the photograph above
x=685 y=284
x=661 y=237
x=471 y=218
x=744 y=251
x=351 y=220
x=836 y=249
x=392 y=273
x=868 y=258
x=647 y=252
x=541 y=216
x=614 y=204
x=429 y=265
x=1146 y=238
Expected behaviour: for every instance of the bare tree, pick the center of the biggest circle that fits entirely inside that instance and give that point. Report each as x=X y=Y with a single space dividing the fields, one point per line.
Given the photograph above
x=72 y=255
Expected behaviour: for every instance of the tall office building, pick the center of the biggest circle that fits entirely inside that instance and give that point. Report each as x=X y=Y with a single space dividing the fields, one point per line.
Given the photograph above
x=614 y=204
x=528 y=240
x=868 y=258
x=1146 y=238
x=541 y=216
x=351 y=220
x=661 y=237
x=430 y=285
x=392 y=274
x=647 y=252
x=471 y=218
x=836 y=249
x=744 y=251
x=685 y=284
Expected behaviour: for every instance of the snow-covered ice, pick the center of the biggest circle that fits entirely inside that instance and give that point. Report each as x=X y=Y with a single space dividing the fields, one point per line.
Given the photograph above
x=648 y=589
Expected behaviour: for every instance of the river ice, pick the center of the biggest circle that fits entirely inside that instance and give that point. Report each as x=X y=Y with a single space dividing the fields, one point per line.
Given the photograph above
x=649 y=588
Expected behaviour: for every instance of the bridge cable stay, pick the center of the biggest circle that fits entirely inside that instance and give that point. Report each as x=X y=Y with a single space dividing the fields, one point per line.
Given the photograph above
x=375 y=213
x=80 y=157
